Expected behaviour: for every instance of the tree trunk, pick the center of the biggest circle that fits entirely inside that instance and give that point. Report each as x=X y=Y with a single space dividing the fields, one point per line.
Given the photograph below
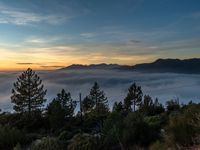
x=29 y=95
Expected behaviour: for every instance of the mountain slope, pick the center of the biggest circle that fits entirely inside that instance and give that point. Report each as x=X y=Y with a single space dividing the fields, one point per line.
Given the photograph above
x=188 y=66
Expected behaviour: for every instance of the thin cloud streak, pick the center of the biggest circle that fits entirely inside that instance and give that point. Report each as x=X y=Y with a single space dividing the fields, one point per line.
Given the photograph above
x=46 y=67
x=24 y=63
x=21 y=16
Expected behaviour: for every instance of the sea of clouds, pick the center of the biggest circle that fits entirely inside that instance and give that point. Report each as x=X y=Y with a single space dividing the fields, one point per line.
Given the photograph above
x=115 y=83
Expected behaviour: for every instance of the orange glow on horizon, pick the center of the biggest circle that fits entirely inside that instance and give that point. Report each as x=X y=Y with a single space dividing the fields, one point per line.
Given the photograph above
x=58 y=57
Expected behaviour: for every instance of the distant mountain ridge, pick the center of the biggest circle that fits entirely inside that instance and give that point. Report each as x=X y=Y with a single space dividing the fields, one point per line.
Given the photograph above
x=187 y=66
x=92 y=66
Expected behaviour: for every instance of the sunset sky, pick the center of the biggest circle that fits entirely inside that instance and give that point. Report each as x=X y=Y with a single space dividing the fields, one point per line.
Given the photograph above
x=48 y=34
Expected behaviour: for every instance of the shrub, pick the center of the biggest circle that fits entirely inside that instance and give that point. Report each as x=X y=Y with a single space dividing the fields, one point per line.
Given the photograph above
x=112 y=130
x=137 y=131
x=84 y=142
x=183 y=129
x=158 y=146
x=47 y=143
x=10 y=137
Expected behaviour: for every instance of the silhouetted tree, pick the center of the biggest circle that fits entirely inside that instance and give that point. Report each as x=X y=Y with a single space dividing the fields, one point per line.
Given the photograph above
x=59 y=109
x=158 y=107
x=118 y=107
x=56 y=114
x=150 y=107
x=28 y=93
x=134 y=97
x=147 y=101
x=98 y=98
x=172 y=105
x=66 y=102
x=147 y=105
x=87 y=105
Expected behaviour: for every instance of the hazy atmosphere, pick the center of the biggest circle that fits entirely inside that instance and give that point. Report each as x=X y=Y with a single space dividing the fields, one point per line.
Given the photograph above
x=165 y=86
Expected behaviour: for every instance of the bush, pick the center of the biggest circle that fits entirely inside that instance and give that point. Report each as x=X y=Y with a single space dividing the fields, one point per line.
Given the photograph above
x=173 y=106
x=84 y=142
x=112 y=130
x=48 y=143
x=137 y=131
x=10 y=137
x=158 y=146
x=65 y=135
x=184 y=129
x=17 y=147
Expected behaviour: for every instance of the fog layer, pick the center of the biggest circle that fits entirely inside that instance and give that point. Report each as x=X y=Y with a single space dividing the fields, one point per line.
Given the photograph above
x=114 y=83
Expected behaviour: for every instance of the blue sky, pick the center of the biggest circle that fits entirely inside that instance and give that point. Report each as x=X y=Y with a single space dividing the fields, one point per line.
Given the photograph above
x=47 y=34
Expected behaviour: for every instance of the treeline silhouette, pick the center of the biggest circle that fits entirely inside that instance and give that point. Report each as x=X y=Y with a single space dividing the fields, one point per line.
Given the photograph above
x=137 y=122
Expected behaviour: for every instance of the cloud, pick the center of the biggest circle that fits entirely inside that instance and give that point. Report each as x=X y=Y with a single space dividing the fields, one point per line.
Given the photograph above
x=36 y=41
x=25 y=63
x=88 y=35
x=135 y=41
x=194 y=15
x=23 y=16
x=178 y=45
x=18 y=17
x=115 y=84
x=61 y=50
x=50 y=67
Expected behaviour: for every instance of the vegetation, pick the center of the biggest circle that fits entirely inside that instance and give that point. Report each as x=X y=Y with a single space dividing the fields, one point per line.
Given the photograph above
x=137 y=122
x=133 y=98
x=28 y=94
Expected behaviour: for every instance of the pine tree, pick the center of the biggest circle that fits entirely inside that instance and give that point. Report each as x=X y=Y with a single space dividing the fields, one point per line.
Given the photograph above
x=87 y=104
x=99 y=99
x=28 y=93
x=147 y=105
x=150 y=107
x=158 y=107
x=134 y=97
x=147 y=102
x=56 y=114
x=67 y=104
x=118 y=107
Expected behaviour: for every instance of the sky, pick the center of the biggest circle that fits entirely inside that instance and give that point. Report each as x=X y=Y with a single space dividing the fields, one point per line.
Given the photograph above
x=49 y=34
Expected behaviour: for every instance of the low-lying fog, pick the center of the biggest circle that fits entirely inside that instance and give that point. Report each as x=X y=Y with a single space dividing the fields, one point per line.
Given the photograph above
x=114 y=83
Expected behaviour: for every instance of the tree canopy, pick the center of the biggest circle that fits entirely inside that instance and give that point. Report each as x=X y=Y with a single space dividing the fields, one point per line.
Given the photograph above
x=134 y=97
x=28 y=93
